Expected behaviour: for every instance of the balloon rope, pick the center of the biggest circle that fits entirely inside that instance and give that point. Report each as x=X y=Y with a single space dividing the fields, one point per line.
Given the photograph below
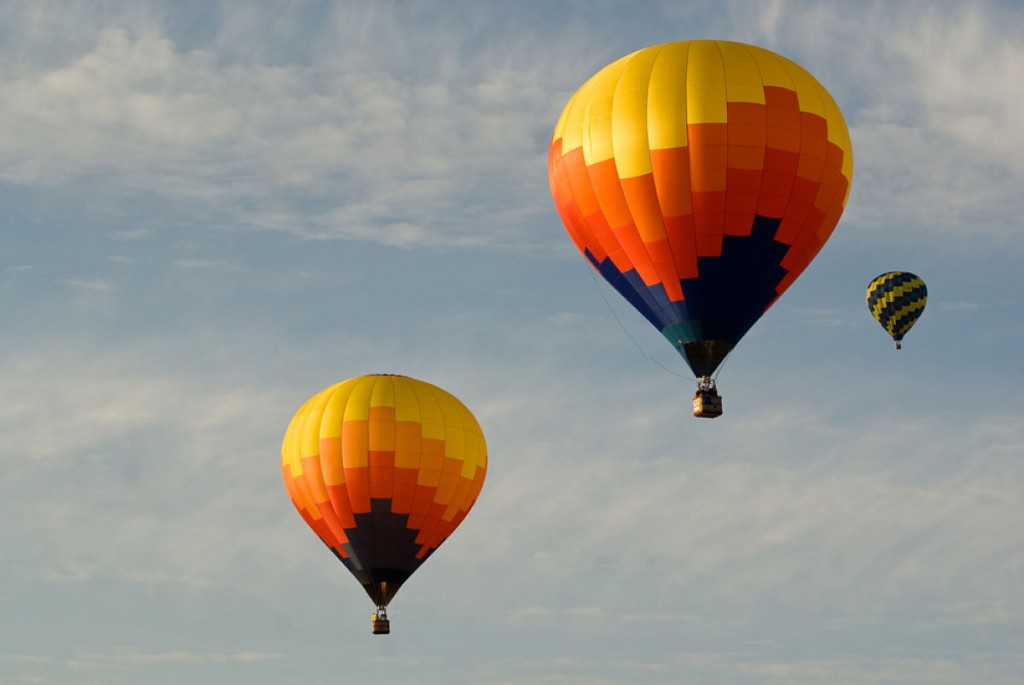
x=625 y=330
x=721 y=366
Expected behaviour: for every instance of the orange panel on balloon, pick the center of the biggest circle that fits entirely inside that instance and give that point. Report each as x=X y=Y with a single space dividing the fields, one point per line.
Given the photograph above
x=671 y=171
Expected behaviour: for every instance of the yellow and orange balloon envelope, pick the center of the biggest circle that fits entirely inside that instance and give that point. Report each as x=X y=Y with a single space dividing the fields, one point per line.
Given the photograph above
x=700 y=178
x=383 y=468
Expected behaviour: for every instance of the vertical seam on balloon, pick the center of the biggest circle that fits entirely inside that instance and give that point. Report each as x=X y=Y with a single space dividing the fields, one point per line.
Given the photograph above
x=394 y=440
x=644 y=293
x=761 y=264
x=442 y=401
x=757 y=266
x=803 y=229
x=350 y=482
x=414 y=392
x=690 y=163
x=298 y=481
x=676 y=266
x=800 y=134
x=599 y=196
x=824 y=96
x=311 y=422
x=479 y=452
x=309 y=418
x=452 y=419
x=332 y=392
x=318 y=421
x=425 y=394
x=452 y=413
x=664 y=307
x=343 y=410
x=376 y=534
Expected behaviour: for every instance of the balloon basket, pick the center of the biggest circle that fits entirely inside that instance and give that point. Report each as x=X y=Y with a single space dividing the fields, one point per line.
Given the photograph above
x=707 y=403
x=381 y=624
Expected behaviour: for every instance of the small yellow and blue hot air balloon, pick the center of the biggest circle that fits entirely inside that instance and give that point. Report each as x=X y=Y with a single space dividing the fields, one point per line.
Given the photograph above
x=896 y=300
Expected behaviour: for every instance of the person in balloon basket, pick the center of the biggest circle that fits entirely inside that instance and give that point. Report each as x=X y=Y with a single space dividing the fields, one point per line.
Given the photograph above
x=707 y=403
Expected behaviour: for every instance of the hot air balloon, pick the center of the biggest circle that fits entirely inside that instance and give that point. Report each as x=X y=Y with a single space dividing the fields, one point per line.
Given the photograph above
x=383 y=468
x=896 y=300
x=700 y=178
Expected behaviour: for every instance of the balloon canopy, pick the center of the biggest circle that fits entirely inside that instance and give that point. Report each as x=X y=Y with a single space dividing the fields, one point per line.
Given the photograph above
x=383 y=468
x=700 y=178
x=897 y=300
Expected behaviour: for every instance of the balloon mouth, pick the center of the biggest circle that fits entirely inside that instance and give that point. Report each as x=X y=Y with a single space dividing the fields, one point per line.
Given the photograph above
x=705 y=356
x=383 y=591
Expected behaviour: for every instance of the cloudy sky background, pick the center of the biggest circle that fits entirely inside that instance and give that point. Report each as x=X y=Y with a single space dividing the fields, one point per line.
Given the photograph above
x=211 y=210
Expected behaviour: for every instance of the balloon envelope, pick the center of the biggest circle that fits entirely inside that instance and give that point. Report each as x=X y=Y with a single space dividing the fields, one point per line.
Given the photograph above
x=700 y=178
x=897 y=300
x=383 y=468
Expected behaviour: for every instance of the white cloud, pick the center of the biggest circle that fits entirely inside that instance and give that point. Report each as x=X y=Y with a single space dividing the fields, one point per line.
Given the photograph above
x=971 y=79
x=851 y=520
x=122 y=467
x=134 y=659
x=203 y=264
x=960 y=306
x=137 y=115
x=89 y=284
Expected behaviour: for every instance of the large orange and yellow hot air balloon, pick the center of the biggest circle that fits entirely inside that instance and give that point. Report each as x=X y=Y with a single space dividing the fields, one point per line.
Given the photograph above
x=383 y=468
x=700 y=178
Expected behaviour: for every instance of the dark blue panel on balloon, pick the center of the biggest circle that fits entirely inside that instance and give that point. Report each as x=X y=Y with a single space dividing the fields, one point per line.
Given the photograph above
x=381 y=546
x=729 y=295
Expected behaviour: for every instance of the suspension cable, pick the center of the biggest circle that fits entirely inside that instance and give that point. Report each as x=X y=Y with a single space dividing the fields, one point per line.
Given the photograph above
x=626 y=331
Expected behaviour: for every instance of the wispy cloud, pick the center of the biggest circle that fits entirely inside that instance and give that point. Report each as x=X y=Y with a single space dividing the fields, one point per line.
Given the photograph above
x=960 y=306
x=859 y=522
x=95 y=285
x=424 y=164
x=143 y=455
x=203 y=264
x=134 y=659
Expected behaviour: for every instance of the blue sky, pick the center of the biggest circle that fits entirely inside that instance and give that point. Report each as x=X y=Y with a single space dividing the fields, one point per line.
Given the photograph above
x=211 y=210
